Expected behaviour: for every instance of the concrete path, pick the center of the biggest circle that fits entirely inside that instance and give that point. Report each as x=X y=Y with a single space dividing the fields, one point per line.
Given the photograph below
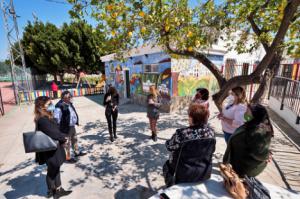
x=131 y=167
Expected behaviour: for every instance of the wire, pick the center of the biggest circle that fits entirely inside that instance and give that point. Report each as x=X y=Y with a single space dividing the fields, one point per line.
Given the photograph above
x=58 y=2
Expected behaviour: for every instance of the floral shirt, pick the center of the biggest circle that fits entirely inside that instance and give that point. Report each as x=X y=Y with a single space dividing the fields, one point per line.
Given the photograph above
x=189 y=133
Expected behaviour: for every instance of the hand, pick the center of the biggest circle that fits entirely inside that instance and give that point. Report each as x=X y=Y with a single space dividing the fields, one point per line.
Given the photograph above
x=270 y=157
x=108 y=98
x=220 y=116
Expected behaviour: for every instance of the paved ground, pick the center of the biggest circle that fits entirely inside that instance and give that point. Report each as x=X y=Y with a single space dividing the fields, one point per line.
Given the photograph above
x=7 y=96
x=131 y=167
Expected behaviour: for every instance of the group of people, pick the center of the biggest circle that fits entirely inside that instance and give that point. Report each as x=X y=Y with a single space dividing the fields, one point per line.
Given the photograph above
x=247 y=132
x=246 y=127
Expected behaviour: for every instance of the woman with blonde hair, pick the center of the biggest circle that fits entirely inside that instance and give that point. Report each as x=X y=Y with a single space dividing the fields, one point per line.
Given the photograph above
x=232 y=115
x=43 y=112
x=153 y=104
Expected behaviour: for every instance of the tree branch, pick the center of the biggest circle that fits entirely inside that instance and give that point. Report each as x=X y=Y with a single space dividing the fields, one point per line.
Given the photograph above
x=255 y=27
x=202 y=59
x=289 y=12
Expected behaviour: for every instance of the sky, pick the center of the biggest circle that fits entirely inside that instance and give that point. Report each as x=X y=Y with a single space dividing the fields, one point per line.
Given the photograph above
x=46 y=11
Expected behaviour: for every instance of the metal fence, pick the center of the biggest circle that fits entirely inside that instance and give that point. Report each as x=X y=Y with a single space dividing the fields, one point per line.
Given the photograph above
x=233 y=68
x=287 y=91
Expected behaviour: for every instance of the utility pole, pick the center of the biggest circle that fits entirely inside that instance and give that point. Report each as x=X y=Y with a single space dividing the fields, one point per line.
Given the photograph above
x=16 y=49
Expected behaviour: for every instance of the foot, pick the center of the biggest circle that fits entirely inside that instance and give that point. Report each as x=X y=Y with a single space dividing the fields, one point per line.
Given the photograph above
x=111 y=139
x=49 y=194
x=81 y=153
x=154 y=138
x=61 y=192
x=72 y=160
x=115 y=136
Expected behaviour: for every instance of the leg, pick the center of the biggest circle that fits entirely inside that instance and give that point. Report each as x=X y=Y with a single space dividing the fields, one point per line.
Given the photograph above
x=68 y=148
x=52 y=172
x=73 y=136
x=154 y=130
x=115 y=117
x=108 y=118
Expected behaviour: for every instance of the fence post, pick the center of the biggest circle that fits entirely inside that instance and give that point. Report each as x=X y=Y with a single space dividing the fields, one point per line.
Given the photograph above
x=298 y=119
x=270 y=88
x=1 y=104
x=284 y=93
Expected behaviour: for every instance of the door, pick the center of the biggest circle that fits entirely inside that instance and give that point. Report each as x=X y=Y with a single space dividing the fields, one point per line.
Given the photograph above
x=127 y=80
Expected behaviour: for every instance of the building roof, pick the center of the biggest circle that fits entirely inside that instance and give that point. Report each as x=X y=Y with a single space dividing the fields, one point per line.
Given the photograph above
x=142 y=50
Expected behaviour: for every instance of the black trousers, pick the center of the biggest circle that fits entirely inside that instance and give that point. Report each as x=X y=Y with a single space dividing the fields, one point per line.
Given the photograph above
x=53 y=177
x=111 y=117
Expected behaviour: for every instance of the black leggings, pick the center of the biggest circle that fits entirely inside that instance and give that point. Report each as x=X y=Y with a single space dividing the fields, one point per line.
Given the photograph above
x=112 y=115
x=53 y=177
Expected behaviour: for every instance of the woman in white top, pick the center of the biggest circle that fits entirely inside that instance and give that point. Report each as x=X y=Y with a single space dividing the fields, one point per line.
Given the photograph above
x=232 y=115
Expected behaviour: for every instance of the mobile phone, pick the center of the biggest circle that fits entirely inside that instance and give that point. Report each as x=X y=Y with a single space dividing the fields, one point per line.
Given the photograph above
x=163 y=196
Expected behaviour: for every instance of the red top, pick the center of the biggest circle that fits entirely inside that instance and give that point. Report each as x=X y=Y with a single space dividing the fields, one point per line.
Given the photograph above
x=54 y=87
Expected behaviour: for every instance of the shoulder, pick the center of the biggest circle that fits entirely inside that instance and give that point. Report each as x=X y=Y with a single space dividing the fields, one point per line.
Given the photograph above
x=59 y=104
x=241 y=107
x=43 y=121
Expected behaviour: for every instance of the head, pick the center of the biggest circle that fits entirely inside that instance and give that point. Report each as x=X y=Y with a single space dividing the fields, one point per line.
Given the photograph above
x=112 y=90
x=255 y=115
x=239 y=95
x=198 y=114
x=66 y=97
x=43 y=107
x=204 y=93
x=153 y=90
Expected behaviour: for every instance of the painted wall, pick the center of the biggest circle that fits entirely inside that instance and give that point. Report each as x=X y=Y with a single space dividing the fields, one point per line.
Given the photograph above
x=140 y=79
x=172 y=77
x=190 y=74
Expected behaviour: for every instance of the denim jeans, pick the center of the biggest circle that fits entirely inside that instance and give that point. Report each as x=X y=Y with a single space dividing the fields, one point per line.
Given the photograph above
x=227 y=136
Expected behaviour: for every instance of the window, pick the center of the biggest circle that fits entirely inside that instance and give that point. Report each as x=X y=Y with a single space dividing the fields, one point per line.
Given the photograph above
x=151 y=68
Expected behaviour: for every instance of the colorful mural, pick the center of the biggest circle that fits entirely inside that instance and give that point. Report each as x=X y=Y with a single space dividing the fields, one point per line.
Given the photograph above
x=171 y=76
x=190 y=75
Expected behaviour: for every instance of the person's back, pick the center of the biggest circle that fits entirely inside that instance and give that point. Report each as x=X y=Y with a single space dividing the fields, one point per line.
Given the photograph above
x=191 y=148
x=248 y=148
x=195 y=162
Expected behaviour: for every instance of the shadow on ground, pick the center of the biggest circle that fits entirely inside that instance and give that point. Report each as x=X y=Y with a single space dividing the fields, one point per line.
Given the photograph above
x=30 y=184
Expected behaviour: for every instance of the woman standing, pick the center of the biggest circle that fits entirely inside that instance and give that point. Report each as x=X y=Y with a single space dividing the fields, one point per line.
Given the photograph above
x=111 y=102
x=153 y=104
x=248 y=148
x=43 y=113
x=232 y=115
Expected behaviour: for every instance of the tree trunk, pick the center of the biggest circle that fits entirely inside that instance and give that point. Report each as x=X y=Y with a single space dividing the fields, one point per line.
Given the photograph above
x=55 y=78
x=266 y=80
x=61 y=77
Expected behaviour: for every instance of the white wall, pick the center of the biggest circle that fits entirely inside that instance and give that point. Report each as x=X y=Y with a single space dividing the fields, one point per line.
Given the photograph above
x=285 y=114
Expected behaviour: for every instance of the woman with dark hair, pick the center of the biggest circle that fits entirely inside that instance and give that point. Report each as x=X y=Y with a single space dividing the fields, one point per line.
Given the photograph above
x=248 y=148
x=201 y=97
x=191 y=149
x=232 y=115
x=43 y=117
x=111 y=102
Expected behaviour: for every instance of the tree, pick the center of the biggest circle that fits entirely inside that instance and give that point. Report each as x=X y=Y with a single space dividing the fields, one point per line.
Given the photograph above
x=187 y=31
x=85 y=47
x=4 y=68
x=43 y=48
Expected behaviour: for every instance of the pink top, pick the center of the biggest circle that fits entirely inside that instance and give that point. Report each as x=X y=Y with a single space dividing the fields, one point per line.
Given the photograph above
x=236 y=113
x=54 y=87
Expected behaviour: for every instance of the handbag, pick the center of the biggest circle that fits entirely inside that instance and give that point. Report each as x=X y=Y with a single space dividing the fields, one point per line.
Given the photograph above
x=232 y=182
x=38 y=142
x=170 y=179
x=256 y=189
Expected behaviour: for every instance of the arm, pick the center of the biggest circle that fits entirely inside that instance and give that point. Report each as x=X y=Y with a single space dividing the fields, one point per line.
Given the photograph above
x=238 y=117
x=57 y=115
x=50 y=129
x=104 y=100
x=174 y=143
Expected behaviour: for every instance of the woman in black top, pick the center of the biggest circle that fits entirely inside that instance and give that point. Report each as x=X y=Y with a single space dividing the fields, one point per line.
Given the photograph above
x=111 y=102
x=43 y=113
